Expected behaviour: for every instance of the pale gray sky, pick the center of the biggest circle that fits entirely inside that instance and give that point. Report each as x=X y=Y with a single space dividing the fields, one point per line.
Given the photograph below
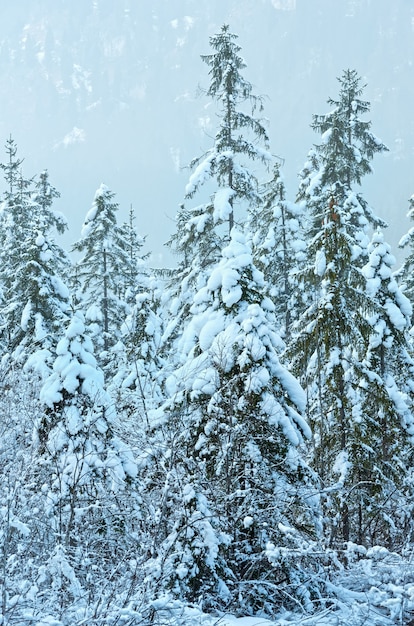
x=102 y=91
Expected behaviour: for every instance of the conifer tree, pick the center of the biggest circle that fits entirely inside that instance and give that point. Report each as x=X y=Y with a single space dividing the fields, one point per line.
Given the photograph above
x=12 y=170
x=324 y=343
x=34 y=266
x=348 y=137
x=278 y=246
x=234 y=413
x=84 y=470
x=70 y=508
x=231 y=424
x=385 y=412
x=335 y=167
x=240 y=137
x=78 y=422
x=14 y=231
x=133 y=363
x=132 y=277
x=332 y=335
x=103 y=271
x=47 y=268
x=225 y=172
x=137 y=384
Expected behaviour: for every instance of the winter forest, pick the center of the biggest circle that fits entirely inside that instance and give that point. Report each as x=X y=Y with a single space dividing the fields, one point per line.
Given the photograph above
x=227 y=441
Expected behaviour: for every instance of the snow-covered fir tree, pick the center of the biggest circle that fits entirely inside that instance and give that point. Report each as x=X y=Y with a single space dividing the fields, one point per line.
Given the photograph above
x=12 y=170
x=241 y=138
x=385 y=412
x=226 y=173
x=332 y=336
x=240 y=490
x=131 y=277
x=102 y=273
x=83 y=477
x=135 y=358
x=278 y=245
x=46 y=273
x=137 y=384
x=15 y=231
x=336 y=166
x=33 y=266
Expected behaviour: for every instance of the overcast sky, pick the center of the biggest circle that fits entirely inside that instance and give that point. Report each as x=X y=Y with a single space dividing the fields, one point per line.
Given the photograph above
x=108 y=91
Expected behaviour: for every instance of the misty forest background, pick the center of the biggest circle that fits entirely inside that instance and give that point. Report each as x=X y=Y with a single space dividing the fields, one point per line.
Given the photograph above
x=230 y=432
x=110 y=93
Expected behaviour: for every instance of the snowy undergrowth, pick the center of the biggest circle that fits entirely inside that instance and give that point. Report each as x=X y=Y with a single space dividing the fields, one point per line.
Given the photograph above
x=375 y=588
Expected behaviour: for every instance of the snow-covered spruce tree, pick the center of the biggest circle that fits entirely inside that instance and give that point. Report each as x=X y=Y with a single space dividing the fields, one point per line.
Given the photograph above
x=33 y=265
x=11 y=169
x=83 y=486
x=337 y=165
x=239 y=490
x=241 y=138
x=102 y=270
x=136 y=352
x=132 y=278
x=343 y=158
x=14 y=219
x=224 y=172
x=348 y=138
x=137 y=383
x=332 y=336
x=35 y=304
x=46 y=272
x=385 y=413
x=278 y=246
